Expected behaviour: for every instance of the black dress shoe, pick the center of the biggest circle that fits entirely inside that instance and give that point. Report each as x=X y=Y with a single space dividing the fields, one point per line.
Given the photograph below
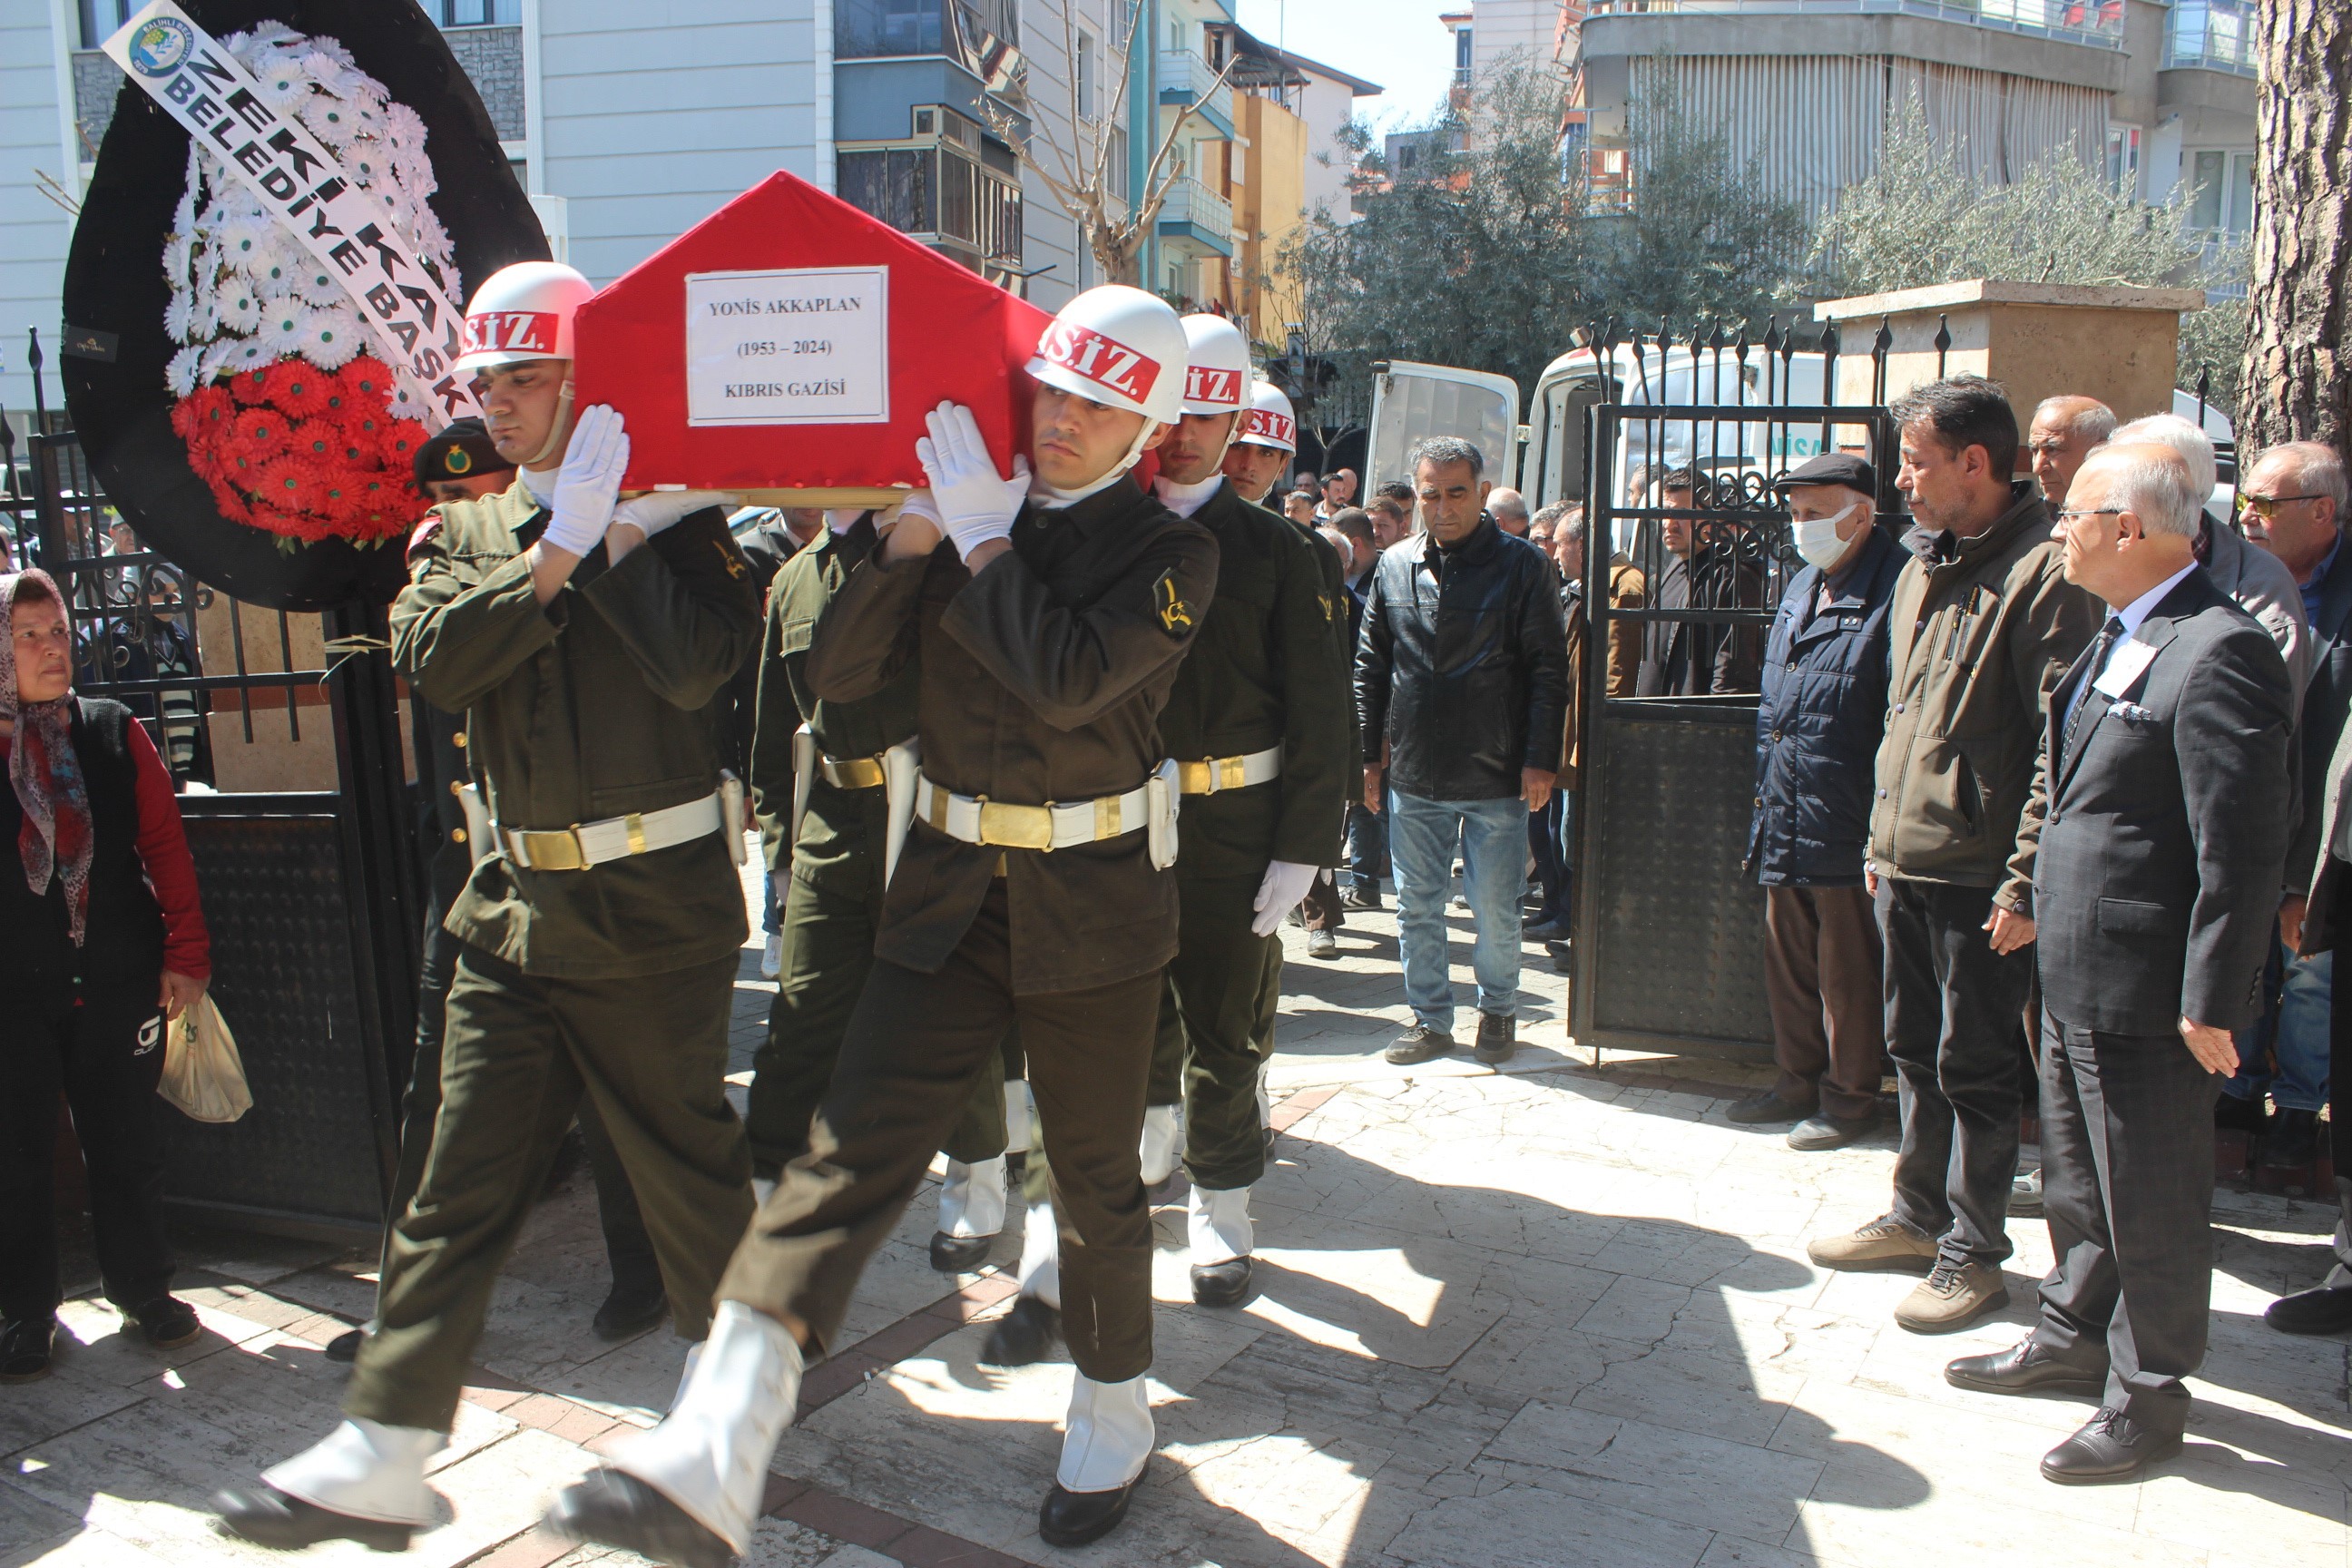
x=628 y=1312
x=267 y=1517
x=1073 y=1518
x=2111 y=1446
x=2023 y=1368
x=2293 y=1142
x=165 y=1322
x=960 y=1254
x=25 y=1347
x=2233 y=1114
x=1023 y=1336
x=1759 y=1109
x=345 y=1347
x=615 y=1510
x=2323 y=1309
x=1221 y=1284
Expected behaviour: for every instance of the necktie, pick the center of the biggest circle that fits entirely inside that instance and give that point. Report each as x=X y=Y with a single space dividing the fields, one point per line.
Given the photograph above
x=2109 y=634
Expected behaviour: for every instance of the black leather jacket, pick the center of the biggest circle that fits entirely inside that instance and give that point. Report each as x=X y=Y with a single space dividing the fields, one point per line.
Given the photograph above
x=1462 y=669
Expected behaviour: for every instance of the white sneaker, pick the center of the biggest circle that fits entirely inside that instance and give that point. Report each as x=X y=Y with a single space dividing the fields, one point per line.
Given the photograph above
x=364 y=1470
x=772 y=956
x=1163 y=1140
x=709 y=1456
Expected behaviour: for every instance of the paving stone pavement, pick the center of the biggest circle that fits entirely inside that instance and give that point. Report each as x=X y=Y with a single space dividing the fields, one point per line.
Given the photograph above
x=1548 y=1316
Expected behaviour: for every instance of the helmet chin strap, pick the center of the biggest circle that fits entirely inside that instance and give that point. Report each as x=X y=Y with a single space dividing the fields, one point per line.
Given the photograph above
x=559 y=432
x=1053 y=496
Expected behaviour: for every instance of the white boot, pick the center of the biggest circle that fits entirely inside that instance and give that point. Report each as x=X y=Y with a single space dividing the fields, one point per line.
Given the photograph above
x=709 y=1456
x=1219 y=1226
x=1163 y=1140
x=971 y=1198
x=1107 y=1436
x=1018 y=1115
x=1041 y=1256
x=366 y=1470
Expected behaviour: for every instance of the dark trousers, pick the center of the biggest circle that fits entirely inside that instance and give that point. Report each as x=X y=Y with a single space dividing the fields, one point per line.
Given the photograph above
x=1321 y=906
x=2128 y=1183
x=1551 y=868
x=1221 y=1010
x=627 y=1247
x=2339 y=1073
x=1368 y=849
x=914 y=1045
x=104 y=1053
x=1826 y=980
x=519 y=1053
x=1952 y=1006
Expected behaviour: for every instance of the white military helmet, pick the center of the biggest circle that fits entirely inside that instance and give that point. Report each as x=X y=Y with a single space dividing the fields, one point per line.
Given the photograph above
x=1118 y=346
x=1269 y=422
x=520 y=312
x=1217 y=365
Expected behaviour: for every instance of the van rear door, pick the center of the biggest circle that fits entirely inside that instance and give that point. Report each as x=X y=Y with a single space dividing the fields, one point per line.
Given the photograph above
x=1412 y=403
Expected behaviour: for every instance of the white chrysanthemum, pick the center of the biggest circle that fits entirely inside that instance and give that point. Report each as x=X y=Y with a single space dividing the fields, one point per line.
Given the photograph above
x=284 y=84
x=244 y=240
x=230 y=355
x=249 y=46
x=332 y=338
x=329 y=118
x=333 y=50
x=315 y=284
x=402 y=404
x=402 y=126
x=238 y=306
x=178 y=315
x=184 y=215
x=204 y=318
x=285 y=325
x=185 y=372
x=179 y=256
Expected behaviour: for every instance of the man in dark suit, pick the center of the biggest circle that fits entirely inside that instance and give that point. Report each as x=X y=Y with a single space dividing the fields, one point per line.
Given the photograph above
x=2164 y=771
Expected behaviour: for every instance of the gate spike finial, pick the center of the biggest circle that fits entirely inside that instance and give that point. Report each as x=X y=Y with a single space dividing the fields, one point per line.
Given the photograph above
x=1943 y=342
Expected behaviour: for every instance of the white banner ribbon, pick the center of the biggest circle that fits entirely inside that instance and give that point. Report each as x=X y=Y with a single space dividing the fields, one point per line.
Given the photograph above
x=305 y=188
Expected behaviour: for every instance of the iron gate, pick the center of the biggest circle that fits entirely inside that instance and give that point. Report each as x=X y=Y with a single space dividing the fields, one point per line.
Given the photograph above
x=311 y=894
x=1669 y=925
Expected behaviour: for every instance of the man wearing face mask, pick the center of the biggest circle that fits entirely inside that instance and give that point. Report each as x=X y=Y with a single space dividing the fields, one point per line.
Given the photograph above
x=1048 y=613
x=599 y=928
x=1818 y=726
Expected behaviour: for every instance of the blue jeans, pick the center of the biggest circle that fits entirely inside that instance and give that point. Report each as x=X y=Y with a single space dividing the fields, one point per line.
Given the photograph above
x=771 y=916
x=1368 y=846
x=2294 y=1036
x=1493 y=834
x=1551 y=870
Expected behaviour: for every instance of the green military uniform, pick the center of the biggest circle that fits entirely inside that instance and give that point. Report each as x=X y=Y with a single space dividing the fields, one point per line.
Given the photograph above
x=614 y=980
x=832 y=896
x=1266 y=671
x=1042 y=681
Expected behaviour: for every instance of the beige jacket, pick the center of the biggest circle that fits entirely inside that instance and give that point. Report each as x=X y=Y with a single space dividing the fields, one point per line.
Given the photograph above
x=1983 y=629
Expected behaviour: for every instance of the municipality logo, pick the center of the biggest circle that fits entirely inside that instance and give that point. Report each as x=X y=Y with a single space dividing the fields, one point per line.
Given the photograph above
x=161 y=45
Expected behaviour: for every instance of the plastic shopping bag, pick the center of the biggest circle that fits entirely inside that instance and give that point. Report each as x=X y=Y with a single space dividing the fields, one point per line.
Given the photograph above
x=201 y=1072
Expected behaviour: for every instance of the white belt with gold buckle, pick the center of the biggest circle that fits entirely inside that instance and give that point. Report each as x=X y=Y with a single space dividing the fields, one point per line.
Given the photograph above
x=587 y=843
x=1054 y=826
x=1211 y=775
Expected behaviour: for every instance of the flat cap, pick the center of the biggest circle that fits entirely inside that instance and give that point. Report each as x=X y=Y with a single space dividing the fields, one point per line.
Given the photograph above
x=1832 y=469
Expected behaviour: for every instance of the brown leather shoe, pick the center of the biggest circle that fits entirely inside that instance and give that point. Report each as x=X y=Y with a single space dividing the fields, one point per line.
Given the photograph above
x=1953 y=1296
x=1885 y=1243
x=2111 y=1446
x=2023 y=1368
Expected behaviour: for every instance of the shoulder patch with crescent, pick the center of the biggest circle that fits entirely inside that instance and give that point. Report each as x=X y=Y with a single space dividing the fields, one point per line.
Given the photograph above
x=1175 y=615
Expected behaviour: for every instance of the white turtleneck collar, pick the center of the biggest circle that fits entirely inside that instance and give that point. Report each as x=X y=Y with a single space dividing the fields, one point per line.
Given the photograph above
x=1048 y=495
x=542 y=486
x=1186 y=499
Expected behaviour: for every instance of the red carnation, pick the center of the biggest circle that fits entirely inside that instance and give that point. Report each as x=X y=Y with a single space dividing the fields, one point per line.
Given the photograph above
x=291 y=484
x=318 y=442
x=261 y=434
x=204 y=411
x=366 y=378
x=400 y=443
x=303 y=389
x=252 y=386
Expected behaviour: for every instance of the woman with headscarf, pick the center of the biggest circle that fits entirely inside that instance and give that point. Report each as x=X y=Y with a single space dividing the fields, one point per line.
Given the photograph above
x=101 y=945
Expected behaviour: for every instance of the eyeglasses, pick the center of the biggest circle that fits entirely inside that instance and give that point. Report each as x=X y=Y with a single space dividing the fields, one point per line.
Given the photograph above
x=2267 y=506
x=2092 y=511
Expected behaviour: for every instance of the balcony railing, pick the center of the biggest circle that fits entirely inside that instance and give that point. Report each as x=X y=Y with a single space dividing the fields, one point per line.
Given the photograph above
x=2098 y=23
x=1189 y=201
x=1185 y=77
x=2210 y=35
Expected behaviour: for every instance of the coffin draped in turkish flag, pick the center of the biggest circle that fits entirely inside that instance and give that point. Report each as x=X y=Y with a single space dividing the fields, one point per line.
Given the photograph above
x=788 y=346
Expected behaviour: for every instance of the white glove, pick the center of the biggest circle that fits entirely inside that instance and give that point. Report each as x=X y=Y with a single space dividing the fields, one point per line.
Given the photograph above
x=1286 y=883
x=589 y=482
x=975 y=504
x=663 y=509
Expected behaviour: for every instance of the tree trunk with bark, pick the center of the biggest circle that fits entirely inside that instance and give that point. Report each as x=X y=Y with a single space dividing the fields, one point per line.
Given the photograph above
x=2298 y=380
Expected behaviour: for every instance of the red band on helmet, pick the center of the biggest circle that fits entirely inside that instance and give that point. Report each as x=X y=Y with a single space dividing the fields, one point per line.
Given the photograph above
x=1268 y=425
x=1105 y=362
x=510 y=331
x=1205 y=383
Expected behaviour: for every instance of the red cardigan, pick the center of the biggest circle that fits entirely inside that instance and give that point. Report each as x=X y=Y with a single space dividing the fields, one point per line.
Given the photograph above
x=163 y=853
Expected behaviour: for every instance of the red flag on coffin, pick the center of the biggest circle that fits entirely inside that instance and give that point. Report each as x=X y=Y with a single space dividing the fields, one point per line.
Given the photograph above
x=788 y=347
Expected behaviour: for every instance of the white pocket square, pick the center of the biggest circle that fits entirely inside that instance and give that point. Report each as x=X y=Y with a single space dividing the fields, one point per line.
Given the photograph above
x=2132 y=712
